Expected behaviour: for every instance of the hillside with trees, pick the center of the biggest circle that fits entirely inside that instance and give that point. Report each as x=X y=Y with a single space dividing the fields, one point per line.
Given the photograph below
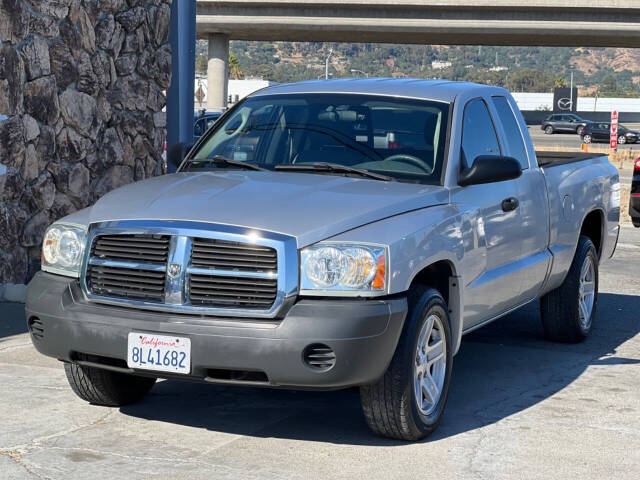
x=609 y=71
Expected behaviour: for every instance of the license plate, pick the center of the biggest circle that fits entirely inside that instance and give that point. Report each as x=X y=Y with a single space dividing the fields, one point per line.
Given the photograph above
x=147 y=351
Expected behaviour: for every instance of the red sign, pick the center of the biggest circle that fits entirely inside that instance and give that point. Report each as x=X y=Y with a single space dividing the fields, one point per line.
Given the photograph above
x=613 y=137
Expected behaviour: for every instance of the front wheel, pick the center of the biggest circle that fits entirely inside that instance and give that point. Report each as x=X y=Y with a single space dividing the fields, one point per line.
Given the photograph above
x=568 y=311
x=622 y=139
x=586 y=139
x=548 y=130
x=107 y=388
x=407 y=403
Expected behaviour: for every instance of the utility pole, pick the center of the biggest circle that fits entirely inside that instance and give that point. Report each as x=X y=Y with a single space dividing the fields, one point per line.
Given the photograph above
x=326 y=65
x=571 y=93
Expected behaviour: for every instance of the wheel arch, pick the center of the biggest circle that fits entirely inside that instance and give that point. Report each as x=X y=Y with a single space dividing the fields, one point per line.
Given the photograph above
x=592 y=226
x=443 y=276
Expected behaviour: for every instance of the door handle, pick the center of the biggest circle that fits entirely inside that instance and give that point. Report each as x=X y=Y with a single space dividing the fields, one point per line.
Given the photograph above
x=510 y=204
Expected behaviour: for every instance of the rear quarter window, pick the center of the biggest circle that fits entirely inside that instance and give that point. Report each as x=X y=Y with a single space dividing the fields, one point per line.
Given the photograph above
x=514 y=140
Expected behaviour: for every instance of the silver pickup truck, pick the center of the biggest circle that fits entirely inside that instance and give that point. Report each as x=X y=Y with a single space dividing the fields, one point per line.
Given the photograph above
x=329 y=235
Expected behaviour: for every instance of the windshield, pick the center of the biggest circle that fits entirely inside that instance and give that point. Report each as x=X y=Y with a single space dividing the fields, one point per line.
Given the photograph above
x=403 y=139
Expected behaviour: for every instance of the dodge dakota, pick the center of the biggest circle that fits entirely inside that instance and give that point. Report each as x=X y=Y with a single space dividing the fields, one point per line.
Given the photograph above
x=326 y=235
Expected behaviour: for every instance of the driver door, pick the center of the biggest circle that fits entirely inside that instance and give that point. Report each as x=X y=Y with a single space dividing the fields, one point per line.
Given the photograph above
x=495 y=286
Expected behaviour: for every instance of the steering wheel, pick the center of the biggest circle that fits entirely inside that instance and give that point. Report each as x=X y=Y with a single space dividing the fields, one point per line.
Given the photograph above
x=410 y=159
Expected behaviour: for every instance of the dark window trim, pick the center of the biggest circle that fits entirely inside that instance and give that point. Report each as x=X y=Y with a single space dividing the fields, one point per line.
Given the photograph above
x=515 y=117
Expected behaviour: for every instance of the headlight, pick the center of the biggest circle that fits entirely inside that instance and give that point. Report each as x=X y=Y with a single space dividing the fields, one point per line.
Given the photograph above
x=343 y=269
x=62 y=249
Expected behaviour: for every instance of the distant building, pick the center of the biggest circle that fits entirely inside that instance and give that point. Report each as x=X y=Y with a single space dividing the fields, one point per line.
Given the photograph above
x=498 y=69
x=438 y=65
x=238 y=89
x=544 y=101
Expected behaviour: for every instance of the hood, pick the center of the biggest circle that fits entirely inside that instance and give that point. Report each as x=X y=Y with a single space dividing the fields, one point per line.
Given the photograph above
x=310 y=207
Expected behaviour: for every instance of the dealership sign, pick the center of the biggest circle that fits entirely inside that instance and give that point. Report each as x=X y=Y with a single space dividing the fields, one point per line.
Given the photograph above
x=565 y=100
x=613 y=138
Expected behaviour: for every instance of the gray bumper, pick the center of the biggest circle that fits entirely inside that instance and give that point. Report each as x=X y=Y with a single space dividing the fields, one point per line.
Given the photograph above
x=362 y=333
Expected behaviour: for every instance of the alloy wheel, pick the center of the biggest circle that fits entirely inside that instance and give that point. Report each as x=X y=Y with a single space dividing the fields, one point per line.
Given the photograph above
x=587 y=291
x=430 y=365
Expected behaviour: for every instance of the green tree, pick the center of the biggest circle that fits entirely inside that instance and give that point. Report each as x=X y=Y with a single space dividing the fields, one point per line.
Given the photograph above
x=235 y=69
x=560 y=82
x=529 y=80
x=609 y=85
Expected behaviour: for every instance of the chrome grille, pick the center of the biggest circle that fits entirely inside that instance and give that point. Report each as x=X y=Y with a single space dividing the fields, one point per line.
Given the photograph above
x=232 y=291
x=148 y=248
x=190 y=267
x=126 y=283
x=224 y=255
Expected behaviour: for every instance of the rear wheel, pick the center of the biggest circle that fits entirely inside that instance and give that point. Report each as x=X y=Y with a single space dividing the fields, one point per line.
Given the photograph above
x=636 y=222
x=586 y=139
x=548 y=130
x=569 y=310
x=407 y=403
x=107 y=388
x=622 y=139
x=579 y=130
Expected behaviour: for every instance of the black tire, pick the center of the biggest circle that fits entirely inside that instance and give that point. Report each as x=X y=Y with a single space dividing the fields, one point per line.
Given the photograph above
x=560 y=309
x=548 y=130
x=636 y=222
x=622 y=139
x=107 y=388
x=389 y=405
x=586 y=138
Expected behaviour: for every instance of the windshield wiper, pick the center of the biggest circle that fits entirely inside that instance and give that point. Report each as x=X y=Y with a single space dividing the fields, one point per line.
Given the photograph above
x=220 y=161
x=336 y=168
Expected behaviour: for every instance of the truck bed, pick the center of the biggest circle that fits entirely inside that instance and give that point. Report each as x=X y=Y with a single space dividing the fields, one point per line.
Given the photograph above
x=553 y=159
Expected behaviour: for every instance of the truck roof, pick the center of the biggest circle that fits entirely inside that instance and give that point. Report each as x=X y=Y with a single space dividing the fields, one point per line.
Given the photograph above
x=439 y=90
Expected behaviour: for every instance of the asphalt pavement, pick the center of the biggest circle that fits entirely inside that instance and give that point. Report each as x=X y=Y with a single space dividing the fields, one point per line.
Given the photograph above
x=519 y=407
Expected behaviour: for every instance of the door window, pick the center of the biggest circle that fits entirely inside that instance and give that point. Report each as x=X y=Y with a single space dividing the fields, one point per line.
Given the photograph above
x=512 y=131
x=478 y=133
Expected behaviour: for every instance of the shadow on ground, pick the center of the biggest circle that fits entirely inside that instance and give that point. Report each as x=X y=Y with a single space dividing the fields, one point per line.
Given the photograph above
x=501 y=369
x=13 y=321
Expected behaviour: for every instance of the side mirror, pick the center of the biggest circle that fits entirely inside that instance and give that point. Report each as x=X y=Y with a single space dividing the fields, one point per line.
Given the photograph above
x=490 y=169
x=176 y=154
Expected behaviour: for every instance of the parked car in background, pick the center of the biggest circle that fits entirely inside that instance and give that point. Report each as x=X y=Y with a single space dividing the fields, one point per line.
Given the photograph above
x=564 y=123
x=596 y=132
x=327 y=235
x=634 y=203
x=202 y=122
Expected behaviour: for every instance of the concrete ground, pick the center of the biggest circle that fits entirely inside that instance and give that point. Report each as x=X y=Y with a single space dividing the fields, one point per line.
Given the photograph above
x=519 y=407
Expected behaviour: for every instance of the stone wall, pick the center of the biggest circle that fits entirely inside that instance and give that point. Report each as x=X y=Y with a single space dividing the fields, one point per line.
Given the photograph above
x=81 y=96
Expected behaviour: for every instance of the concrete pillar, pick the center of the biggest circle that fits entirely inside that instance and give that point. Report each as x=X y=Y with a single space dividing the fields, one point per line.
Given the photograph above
x=218 y=71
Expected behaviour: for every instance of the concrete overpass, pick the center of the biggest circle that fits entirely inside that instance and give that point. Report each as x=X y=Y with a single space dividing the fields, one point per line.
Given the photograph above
x=607 y=23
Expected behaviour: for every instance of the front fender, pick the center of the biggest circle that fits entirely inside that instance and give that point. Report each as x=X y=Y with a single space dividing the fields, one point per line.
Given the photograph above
x=423 y=237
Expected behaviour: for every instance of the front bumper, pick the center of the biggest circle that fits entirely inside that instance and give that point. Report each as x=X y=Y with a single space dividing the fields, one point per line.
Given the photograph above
x=362 y=333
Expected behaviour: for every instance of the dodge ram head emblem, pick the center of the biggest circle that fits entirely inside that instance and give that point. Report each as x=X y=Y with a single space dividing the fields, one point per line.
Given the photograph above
x=174 y=269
